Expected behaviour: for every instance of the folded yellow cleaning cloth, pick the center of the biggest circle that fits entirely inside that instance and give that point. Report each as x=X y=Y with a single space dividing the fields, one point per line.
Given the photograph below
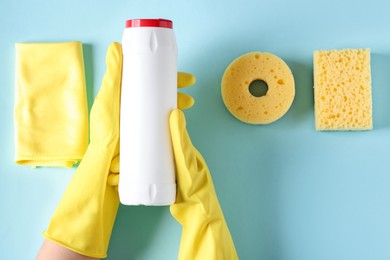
x=51 y=111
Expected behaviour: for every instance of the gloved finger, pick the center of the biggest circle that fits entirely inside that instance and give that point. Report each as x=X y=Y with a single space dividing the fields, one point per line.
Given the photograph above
x=113 y=179
x=114 y=167
x=185 y=158
x=184 y=101
x=111 y=85
x=185 y=79
x=116 y=151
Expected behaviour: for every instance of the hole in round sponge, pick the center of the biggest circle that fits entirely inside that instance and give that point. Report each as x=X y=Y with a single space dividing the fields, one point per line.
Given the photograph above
x=258 y=88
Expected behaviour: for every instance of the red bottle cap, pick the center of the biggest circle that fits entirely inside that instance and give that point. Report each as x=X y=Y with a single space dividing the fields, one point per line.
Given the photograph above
x=164 y=23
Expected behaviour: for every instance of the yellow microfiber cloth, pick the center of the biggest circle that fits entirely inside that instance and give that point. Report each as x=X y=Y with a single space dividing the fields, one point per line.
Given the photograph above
x=51 y=111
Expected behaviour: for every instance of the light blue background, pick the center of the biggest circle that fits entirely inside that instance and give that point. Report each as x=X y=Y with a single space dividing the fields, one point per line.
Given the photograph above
x=287 y=191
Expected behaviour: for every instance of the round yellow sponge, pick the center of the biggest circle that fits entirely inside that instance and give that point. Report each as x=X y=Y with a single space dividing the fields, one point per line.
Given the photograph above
x=252 y=67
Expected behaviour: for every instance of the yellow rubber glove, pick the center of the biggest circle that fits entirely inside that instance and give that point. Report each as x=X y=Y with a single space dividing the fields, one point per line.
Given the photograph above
x=51 y=112
x=85 y=216
x=205 y=234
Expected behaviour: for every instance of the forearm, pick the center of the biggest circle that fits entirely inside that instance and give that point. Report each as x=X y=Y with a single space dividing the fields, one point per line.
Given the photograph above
x=51 y=250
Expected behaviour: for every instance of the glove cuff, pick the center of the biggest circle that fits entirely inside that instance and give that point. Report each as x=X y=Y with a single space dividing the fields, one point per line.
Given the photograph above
x=85 y=216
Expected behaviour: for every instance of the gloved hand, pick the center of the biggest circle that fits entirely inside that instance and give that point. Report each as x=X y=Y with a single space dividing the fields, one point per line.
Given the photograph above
x=85 y=216
x=205 y=234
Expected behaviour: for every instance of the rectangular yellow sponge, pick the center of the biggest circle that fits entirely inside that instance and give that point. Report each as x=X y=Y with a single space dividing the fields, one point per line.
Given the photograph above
x=342 y=90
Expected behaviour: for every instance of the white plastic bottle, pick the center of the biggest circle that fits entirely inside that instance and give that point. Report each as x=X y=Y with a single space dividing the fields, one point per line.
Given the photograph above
x=149 y=94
